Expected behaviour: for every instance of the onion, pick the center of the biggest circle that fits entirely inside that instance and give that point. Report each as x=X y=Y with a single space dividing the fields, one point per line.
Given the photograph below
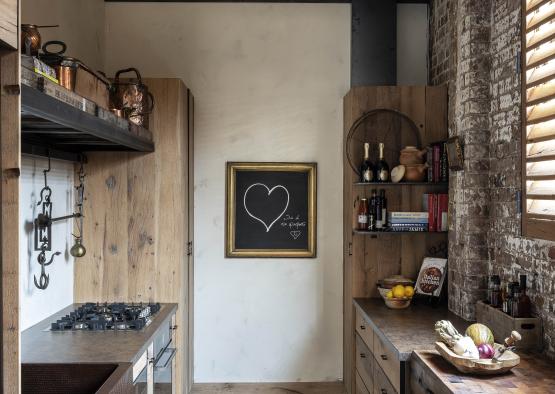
x=486 y=350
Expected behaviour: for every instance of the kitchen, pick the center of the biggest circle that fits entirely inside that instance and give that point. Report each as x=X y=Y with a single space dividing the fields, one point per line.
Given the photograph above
x=217 y=298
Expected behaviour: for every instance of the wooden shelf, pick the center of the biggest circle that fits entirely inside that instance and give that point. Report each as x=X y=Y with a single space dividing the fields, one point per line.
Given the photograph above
x=361 y=232
x=387 y=184
x=51 y=123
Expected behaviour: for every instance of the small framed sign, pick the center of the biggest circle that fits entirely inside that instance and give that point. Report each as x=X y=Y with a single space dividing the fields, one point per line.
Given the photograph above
x=271 y=209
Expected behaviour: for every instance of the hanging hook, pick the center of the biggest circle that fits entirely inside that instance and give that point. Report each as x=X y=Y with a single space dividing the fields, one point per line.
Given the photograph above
x=46 y=171
x=43 y=281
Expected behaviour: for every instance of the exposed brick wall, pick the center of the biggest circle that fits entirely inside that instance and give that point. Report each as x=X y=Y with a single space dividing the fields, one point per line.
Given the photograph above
x=474 y=47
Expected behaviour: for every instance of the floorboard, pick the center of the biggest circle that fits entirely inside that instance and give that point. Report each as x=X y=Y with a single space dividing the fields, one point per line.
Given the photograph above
x=270 y=388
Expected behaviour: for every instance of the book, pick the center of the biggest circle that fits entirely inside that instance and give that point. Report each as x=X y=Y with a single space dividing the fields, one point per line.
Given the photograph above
x=444 y=167
x=442 y=208
x=423 y=225
x=429 y=162
x=408 y=215
x=431 y=277
x=436 y=160
x=432 y=212
x=408 y=220
x=413 y=229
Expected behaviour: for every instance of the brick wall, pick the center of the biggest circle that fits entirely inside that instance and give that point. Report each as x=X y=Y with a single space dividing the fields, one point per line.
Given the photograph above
x=474 y=47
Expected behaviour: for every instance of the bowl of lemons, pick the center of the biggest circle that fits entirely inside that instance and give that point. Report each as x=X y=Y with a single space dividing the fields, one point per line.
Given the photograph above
x=398 y=296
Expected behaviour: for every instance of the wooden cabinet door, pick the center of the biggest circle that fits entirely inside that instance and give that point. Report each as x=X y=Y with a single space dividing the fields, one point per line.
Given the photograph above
x=9 y=23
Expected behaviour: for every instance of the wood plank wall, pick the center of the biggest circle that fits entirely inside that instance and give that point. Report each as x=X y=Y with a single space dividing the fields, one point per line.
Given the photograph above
x=368 y=259
x=10 y=161
x=137 y=225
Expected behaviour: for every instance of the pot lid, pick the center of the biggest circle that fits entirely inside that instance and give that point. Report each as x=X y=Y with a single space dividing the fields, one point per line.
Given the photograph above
x=397 y=279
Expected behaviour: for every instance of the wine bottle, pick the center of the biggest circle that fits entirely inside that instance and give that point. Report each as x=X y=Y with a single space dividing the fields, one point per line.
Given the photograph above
x=382 y=168
x=384 y=208
x=372 y=210
x=379 y=212
x=366 y=168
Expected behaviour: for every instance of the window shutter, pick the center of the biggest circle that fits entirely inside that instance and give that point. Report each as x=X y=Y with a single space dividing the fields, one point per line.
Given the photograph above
x=538 y=139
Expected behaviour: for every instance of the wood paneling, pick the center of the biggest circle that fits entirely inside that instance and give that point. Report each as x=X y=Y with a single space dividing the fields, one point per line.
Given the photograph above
x=10 y=161
x=137 y=225
x=9 y=23
x=368 y=259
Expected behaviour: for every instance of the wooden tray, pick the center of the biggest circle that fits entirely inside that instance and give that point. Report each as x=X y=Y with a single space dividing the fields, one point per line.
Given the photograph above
x=479 y=366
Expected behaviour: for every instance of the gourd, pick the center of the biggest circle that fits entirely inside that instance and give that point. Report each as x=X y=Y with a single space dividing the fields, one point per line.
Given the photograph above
x=480 y=334
x=461 y=345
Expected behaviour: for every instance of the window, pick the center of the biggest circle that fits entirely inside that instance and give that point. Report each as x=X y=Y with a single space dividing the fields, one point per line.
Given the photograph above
x=538 y=131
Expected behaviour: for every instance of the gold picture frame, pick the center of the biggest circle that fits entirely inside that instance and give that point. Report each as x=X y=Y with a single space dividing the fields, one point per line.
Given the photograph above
x=261 y=169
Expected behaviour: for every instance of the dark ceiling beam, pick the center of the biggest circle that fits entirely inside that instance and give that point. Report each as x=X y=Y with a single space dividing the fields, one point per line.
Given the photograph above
x=255 y=1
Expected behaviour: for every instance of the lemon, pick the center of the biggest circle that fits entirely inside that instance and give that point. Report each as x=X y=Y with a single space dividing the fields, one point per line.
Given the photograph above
x=409 y=291
x=399 y=291
x=389 y=294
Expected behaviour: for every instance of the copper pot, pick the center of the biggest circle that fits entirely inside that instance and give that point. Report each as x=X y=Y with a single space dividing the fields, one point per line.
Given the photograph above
x=132 y=96
x=411 y=155
x=31 y=39
x=415 y=172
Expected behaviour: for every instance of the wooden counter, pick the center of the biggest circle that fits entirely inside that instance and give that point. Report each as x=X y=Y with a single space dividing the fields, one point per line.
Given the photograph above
x=431 y=373
x=40 y=345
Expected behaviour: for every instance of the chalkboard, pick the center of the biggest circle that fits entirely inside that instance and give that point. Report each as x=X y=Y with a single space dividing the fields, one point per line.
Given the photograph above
x=271 y=210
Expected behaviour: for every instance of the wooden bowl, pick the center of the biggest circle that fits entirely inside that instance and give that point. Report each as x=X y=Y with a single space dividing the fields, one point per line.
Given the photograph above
x=479 y=366
x=394 y=303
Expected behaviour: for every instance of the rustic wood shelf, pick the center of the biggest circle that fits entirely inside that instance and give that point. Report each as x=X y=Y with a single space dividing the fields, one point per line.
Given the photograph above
x=362 y=232
x=387 y=184
x=51 y=123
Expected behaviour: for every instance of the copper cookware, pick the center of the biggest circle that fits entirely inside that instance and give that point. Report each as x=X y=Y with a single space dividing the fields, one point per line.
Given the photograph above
x=133 y=96
x=415 y=172
x=30 y=38
x=411 y=155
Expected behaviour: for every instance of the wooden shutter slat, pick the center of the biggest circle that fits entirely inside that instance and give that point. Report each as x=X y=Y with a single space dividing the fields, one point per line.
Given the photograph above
x=540 y=58
x=540 y=228
x=540 y=94
x=539 y=75
x=533 y=5
x=546 y=36
x=540 y=113
x=538 y=20
x=540 y=177
x=541 y=196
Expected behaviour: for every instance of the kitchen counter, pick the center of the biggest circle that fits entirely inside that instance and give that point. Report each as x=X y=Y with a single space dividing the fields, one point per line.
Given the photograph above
x=534 y=374
x=40 y=345
x=408 y=329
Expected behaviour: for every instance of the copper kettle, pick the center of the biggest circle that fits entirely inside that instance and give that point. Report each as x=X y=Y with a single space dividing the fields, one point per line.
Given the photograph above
x=31 y=39
x=132 y=96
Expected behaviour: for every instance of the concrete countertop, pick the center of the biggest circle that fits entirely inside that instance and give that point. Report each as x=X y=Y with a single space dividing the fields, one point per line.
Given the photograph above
x=40 y=345
x=406 y=330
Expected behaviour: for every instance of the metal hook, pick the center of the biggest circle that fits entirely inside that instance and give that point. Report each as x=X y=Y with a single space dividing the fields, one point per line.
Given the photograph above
x=44 y=279
x=46 y=171
x=47 y=197
x=52 y=258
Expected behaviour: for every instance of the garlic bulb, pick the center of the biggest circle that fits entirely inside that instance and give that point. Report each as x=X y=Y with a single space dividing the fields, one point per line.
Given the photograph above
x=465 y=347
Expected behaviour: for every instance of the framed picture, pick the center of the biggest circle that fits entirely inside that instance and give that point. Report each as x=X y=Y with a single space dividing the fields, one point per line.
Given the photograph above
x=270 y=210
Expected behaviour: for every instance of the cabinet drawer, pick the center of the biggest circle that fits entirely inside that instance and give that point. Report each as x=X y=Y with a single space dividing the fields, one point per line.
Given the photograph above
x=382 y=385
x=364 y=363
x=364 y=330
x=360 y=386
x=388 y=360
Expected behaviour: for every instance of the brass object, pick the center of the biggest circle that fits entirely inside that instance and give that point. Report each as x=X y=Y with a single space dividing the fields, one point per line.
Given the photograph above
x=31 y=39
x=415 y=172
x=78 y=250
x=232 y=169
x=411 y=155
x=66 y=72
x=132 y=95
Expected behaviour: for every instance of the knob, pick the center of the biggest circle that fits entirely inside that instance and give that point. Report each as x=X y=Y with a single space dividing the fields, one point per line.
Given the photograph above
x=173 y=328
x=362 y=355
x=383 y=391
x=383 y=357
x=362 y=327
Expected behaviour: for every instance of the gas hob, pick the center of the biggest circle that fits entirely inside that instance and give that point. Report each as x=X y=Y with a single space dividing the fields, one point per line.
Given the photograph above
x=104 y=317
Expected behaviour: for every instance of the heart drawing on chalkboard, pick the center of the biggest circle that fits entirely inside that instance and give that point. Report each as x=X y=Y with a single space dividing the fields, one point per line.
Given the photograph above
x=295 y=234
x=270 y=191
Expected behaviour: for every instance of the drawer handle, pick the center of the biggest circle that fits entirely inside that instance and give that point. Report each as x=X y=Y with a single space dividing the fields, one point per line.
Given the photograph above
x=383 y=391
x=383 y=357
x=362 y=355
x=363 y=327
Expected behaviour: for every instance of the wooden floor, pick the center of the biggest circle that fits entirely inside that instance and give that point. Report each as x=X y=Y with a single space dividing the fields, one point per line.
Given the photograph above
x=270 y=388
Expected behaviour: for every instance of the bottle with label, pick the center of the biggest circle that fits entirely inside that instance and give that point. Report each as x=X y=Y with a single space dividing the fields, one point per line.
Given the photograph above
x=384 y=208
x=366 y=168
x=506 y=298
x=372 y=212
x=515 y=311
x=362 y=215
x=382 y=168
x=495 y=294
x=524 y=303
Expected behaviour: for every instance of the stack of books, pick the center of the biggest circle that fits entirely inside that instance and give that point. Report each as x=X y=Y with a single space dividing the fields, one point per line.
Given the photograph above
x=408 y=221
x=436 y=158
x=437 y=205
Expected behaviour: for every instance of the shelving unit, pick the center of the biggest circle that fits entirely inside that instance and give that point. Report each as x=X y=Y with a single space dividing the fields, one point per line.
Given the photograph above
x=51 y=125
x=373 y=255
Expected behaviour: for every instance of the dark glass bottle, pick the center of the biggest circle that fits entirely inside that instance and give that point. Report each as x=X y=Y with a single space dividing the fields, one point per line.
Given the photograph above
x=384 y=208
x=524 y=303
x=515 y=311
x=379 y=213
x=495 y=295
x=382 y=168
x=366 y=168
x=372 y=212
x=362 y=214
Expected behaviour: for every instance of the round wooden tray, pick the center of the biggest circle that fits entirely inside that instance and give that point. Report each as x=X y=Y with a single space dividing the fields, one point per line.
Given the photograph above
x=479 y=366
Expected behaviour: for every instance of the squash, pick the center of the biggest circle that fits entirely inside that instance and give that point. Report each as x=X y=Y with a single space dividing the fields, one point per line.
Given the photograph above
x=480 y=334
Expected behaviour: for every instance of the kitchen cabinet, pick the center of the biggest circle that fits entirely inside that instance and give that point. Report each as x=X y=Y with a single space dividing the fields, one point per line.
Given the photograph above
x=137 y=231
x=9 y=23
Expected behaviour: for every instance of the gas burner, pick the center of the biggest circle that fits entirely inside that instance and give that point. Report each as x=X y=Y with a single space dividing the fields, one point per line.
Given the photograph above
x=103 y=317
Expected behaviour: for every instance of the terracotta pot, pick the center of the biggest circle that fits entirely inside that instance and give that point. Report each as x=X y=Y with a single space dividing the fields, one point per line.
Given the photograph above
x=415 y=172
x=410 y=155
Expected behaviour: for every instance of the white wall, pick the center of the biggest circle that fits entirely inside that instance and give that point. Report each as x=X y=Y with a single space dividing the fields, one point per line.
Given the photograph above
x=38 y=304
x=81 y=26
x=412 y=44
x=268 y=81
